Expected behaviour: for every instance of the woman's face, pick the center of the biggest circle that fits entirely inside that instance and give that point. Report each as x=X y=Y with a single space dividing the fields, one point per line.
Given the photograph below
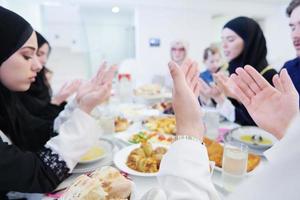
x=43 y=53
x=232 y=43
x=178 y=53
x=213 y=62
x=20 y=69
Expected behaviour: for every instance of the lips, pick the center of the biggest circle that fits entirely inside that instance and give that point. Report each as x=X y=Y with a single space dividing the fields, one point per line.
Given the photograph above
x=296 y=43
x=226 y=53
x=32 y=78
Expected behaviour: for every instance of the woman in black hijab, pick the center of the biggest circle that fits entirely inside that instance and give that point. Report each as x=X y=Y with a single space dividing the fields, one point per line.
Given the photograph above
x=29 y=162
x=243 y=44
x=253 y=53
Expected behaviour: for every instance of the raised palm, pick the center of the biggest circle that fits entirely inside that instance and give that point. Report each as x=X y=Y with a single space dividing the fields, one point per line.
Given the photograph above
x=186 y=90
x=271 y=108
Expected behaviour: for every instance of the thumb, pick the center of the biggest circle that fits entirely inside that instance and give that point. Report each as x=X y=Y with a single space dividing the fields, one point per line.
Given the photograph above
x=176 y=73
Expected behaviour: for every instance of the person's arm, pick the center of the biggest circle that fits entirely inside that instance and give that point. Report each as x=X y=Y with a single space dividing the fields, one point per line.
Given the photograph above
x=30 y=172
x=279 y=149
x=184 y=172
x=65 y=114
x=41 y=172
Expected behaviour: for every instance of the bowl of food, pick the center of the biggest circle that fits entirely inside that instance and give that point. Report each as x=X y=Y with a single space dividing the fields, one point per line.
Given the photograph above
x=254 y=137
x=140 y=159
x=97 y=152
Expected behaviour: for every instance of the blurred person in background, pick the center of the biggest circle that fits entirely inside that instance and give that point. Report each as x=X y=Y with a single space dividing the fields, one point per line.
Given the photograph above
x=243 y=43
x=293 y=66
x=212 y=62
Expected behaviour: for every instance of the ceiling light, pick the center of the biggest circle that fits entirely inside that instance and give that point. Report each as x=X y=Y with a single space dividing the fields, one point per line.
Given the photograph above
x=115 y=9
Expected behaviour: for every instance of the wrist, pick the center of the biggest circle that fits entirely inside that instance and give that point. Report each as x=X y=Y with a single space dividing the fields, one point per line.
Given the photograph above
x=220 y=99
x=193 y=132
x=188 y=137
x=84 y=108
x=56 y=100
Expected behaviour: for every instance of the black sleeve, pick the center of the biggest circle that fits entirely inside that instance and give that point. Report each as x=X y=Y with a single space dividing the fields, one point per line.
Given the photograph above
x=41 y=109
x=24 y=171
x=242 y=116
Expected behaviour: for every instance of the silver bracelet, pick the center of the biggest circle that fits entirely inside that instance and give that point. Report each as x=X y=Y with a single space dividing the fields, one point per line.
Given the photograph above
x=188 y=137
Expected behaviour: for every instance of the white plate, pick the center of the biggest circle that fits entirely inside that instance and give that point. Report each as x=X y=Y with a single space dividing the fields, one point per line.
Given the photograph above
x=120 y=160
x=126 y=136
x=252 y=130
x=106 y=146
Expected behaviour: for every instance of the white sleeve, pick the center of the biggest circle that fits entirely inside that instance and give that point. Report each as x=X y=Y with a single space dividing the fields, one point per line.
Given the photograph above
x=184 y=172
x=285 y=144
x=75 y=137
x=65 y=114
x=227 y=110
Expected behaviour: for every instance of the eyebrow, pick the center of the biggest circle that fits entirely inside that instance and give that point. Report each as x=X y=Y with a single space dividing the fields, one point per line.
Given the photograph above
x=29 y=47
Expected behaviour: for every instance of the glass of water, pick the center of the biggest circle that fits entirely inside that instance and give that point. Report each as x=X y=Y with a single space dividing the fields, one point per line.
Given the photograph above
x=235 y=159
x=211 y=121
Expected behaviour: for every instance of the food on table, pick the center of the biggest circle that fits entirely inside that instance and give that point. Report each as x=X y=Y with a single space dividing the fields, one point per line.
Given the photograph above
x=148 y=90
x=121 y=124
x=113 y=182
x=161 y=124
x=105 y=184
x=256 y=140
x=163 y=106
x=153 y=137
x=92 y=154
x=146 y=159
x=215 y=153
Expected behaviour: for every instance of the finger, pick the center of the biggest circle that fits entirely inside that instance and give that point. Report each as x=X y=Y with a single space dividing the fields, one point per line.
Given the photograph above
x=277 y=83
x=197 y=89
x=192 y=72
x=286 y=81
x=244 y=87
x=176 y=74
x=194 y=82
x=257 y=77
x=109 y=75
x=239 y=92
x=248 y=80
x=186 y=65
x=100 y=73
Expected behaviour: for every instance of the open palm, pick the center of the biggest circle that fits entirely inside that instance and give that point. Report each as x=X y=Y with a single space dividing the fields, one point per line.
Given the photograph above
x=186 y=90
x=271 y=108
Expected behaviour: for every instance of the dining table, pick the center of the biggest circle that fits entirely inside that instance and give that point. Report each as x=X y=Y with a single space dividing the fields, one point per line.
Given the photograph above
x=142 y=184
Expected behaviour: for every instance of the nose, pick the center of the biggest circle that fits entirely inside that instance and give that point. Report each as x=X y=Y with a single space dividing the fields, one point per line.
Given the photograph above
x=224 y=44
x=36 y=65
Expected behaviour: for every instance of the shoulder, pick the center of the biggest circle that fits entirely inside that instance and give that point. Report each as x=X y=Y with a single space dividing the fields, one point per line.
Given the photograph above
x=291 y=63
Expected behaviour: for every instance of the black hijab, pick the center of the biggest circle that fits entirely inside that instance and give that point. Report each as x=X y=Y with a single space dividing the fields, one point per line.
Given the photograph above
x=24 y=130
x=255 y=50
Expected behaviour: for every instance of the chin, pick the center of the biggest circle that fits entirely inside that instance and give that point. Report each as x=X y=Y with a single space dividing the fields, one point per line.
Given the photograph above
x=23 y=88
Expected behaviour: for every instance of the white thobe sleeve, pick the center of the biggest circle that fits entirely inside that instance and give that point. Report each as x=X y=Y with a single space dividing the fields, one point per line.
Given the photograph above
x=184 y=172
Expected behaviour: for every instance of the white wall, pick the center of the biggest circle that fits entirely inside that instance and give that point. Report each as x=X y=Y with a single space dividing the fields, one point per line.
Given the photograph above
x=277 y=31
x=110 y=37
x=29 y=10
x=193 y=20
x=168 y=24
